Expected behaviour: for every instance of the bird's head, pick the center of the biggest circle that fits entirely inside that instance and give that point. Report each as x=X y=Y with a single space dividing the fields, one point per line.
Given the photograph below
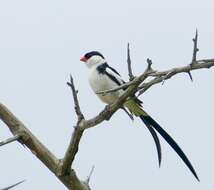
x=93 y=58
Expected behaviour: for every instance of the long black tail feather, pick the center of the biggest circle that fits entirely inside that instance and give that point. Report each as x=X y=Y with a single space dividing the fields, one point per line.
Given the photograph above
x=156 y=139
x=151 y=122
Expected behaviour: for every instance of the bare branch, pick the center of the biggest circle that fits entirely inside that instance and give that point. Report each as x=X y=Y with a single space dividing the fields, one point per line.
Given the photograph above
x=90 y=174
x=11 y=186
x=71 y=150
x=131 y=76
x=195 y=47
x=110 y=109
x=165 y=75
x=76 y=102
x=70 y=180
x=123 y=86
x=161 y=76
x=62 y=168
x=73 y=147
x=9 y=140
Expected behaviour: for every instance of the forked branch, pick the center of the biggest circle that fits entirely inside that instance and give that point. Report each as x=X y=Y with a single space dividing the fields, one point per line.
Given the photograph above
x=16 y=127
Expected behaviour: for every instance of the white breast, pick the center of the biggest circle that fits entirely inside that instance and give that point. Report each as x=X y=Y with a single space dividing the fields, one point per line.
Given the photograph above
x=101 y=82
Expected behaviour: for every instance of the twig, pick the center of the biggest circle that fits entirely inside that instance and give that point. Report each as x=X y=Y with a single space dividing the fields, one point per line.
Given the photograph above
x=131 y=76
x=9 y=140
x=76 y=102
x=11 y=186
x=73 y=146
x=123 y=86
x=195 y=51
x=90 y=174
x=195 y=47
x=165 y=75
x=149 y=67
x=190 y=75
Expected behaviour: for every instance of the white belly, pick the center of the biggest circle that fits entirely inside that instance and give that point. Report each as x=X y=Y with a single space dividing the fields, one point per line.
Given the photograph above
x=101 y=82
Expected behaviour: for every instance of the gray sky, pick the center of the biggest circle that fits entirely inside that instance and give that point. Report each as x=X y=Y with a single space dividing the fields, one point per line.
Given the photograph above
x=40 y=45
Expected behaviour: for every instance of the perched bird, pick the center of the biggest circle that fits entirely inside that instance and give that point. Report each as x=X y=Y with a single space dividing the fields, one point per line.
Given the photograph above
x=103 y=77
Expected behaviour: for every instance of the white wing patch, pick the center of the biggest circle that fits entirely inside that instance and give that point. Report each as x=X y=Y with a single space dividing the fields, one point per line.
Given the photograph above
x=112 y=73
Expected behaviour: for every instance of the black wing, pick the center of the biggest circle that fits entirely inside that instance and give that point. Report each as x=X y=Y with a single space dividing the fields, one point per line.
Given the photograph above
x=111 y=73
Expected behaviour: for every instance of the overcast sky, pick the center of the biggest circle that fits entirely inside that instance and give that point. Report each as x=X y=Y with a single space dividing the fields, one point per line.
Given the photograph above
x=40 y=45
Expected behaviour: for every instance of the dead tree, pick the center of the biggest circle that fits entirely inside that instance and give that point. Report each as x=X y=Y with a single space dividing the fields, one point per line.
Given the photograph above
x=62 y=168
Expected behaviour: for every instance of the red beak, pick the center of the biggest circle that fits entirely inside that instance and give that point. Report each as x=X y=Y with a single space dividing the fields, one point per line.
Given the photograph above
x=83 y=59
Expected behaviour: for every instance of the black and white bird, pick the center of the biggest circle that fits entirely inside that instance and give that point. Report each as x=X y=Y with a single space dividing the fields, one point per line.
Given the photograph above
x=103 y=77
